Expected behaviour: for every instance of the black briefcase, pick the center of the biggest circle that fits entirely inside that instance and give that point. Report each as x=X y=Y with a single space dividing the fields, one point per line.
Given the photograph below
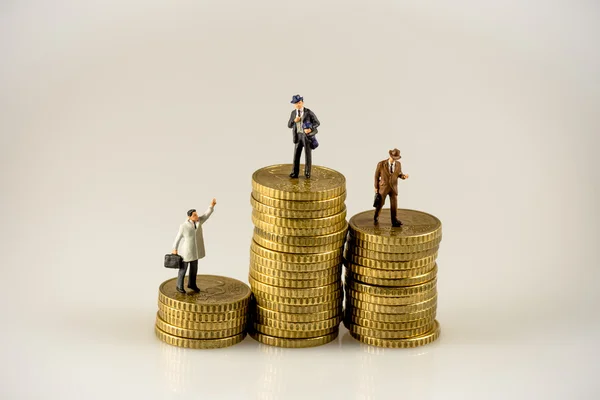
x=173 y=260
x=377 y=200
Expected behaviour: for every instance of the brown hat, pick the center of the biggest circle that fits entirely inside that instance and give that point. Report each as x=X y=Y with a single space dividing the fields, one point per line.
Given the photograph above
x=395 y=154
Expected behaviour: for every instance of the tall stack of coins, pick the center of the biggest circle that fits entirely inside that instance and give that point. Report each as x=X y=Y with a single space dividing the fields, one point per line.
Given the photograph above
x=390 y=281
x=215 y=317
x=296 y=256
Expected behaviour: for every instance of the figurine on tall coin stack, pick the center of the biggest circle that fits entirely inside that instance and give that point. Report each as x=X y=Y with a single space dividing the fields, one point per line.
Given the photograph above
x=191 y=249
x=304 y=124
x=386 y=183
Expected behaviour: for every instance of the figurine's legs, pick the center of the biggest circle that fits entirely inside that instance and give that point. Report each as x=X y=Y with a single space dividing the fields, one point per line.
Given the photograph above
x=181 y=274
x=307 y=157
x=297 y=153
x=192 y=275
x=393 y=206
x=378 y=209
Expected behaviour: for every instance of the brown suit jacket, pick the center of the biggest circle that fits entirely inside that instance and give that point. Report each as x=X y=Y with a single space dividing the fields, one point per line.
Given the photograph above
x=384 y=181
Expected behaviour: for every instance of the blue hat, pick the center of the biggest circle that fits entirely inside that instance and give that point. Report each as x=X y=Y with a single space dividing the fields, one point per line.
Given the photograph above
x=296 y=98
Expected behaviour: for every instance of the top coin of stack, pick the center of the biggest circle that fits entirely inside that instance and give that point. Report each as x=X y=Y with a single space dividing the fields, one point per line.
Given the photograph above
x=215 y=317
x=296 y=256
x=390 y=281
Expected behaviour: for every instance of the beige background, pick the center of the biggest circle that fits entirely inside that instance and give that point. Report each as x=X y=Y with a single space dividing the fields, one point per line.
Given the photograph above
x=118 y=116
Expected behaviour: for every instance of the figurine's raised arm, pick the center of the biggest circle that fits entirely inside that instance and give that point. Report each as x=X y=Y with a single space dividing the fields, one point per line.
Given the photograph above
x=293 y=119
x=202 y=218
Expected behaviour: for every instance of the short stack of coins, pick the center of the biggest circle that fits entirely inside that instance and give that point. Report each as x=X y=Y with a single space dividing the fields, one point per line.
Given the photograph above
x=391 y=279
x=296 y=256
x=215 y=317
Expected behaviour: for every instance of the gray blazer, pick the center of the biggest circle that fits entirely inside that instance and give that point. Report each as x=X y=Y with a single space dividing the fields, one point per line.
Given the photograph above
x=192 y=246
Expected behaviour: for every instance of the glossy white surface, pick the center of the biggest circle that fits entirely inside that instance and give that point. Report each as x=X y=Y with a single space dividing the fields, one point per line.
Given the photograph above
x=106 y=107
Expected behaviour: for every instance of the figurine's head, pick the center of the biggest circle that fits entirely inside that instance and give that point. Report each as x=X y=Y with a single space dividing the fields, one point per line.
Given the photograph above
x=395 y=154
x=193 y=215
x=297 y=101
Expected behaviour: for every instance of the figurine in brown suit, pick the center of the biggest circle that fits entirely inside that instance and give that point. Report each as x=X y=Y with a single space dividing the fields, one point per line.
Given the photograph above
x=386 y=183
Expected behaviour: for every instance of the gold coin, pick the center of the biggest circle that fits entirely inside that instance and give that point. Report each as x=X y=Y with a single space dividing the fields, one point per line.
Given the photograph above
x=301 y=223
x=393 y=248
x=282 y=230
x=297 y=266
x=201 y=317
x=388 y=326
x=217 y=294
x=288 y=317
x=391 y=265
x=377 y=317
x=375 y=255
x=267 y=330
x=416 y=341
x=308 y=327
x=295 y=205
x=408 y=275
x=294 y=343
x=198 y=343
x=337 y=295
x=391 y=301
x=283 y=213
x=392 y=291
x=197 y=334
x=301 y=276
x=274 y=181
x=294 y=258
x=335 y=237
x=285 y=248
x=239 y=323
x=411 y=308
x=418 y=227
x=390 y=282
x=310 y=309
x=294 y=293
x=294 y=283
x=381 y=334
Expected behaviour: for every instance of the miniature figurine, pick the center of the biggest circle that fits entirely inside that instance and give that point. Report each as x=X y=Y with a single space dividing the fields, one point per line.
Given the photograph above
x=386 y=183
x=304 y=124
x=192 y=248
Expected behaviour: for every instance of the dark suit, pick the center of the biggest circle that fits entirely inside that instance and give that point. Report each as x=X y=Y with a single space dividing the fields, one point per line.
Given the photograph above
x=386 y=184
x=301 y=141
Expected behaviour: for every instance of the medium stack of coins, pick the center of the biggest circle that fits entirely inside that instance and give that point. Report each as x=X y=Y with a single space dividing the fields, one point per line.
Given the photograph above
x=296 y=256
x=390 y=281
x=215 y=317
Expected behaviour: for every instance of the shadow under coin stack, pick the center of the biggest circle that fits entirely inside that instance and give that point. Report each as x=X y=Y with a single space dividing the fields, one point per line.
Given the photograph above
x=296 y=256
x=216 y=317
x=390 y=281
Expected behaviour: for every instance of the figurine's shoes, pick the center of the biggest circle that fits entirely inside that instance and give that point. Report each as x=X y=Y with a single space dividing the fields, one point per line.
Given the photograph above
x=195 y=288
x=293 y=175
x=396 y=223
x=180 y=290
x=375 y=220
x=307 y=175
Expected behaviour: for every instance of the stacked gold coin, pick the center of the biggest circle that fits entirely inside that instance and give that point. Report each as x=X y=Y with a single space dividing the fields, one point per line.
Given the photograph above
x=215 y=317
x=296 y=256
x=390 y=280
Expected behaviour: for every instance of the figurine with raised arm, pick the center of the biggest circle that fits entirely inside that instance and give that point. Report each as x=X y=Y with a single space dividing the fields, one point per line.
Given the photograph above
x=189 y=244
x=386 y=184
x=304 y=124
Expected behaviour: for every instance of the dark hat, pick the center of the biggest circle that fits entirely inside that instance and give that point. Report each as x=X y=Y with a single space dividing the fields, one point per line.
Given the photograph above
x=395 y=154
x=296 y=98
